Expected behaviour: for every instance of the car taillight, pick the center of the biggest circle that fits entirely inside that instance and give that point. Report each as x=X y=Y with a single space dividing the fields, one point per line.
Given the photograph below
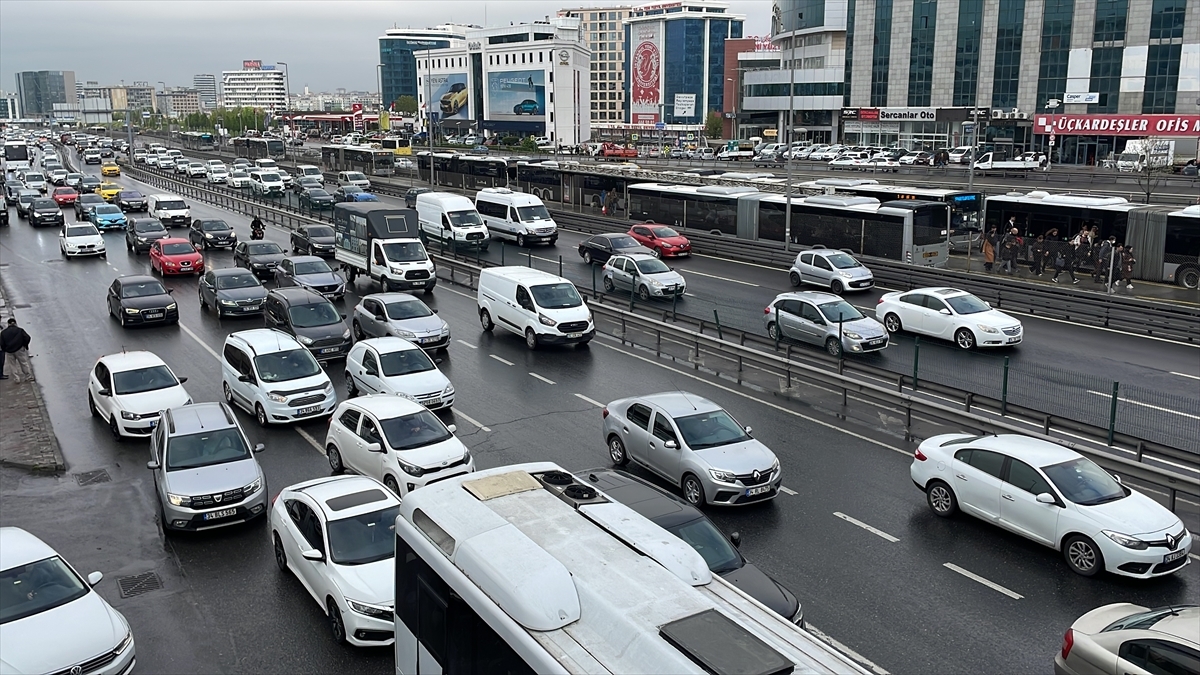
x=919 y=456
x=604 y=412
x=879 y=301
x=1068 y=642
x=766 y=310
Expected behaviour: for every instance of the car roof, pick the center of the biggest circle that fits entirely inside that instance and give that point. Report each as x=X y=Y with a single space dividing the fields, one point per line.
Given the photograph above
x=197 y=417
x=135 y=279
x=610 y=235
x=304 y=258
x=18 y=547
x=389 y=344
x=678 y=403
x=1182 y=625
x=815 y=297
x=123 y=361
x=231 y=271
x=327 y=491
x=943 y=292
x=265 y=340
x=392 y=297
x=663 y=508
x=296 y=295
x=637 y=256
x=385 y=406
x=174 y=240
x=1032 y=451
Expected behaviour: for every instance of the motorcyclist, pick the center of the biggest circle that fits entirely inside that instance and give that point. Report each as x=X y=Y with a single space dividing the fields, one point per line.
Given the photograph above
x=257 y=230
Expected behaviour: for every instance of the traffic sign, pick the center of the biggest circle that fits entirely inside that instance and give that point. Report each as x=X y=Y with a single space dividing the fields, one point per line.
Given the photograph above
x=691 y=136
x=633 y=137
x=968 y=128
x=1052 y=144
x=145 y=114
x=1051 y=138
x=660 y=126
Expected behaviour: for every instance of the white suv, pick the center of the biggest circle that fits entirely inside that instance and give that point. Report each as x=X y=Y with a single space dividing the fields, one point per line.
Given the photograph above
x=268 y=373
x=217 y=173
x=266 y=182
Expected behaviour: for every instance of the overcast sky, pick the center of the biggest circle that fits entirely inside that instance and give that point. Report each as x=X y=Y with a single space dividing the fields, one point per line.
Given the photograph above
x=326 y=44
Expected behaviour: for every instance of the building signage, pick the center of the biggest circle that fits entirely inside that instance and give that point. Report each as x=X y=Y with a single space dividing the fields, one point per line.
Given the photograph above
x=907 y=114
x=564 y=57
x=251 y=65
x=662 y=5
x=1081 y=97
x=474 y=46
x=849 y=113
x=645 y=69
x=685 y=105
x=1120 y=125
x=868 y=113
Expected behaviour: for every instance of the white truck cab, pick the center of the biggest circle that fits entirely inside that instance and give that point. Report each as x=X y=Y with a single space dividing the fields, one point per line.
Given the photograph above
x=452 y=219
x=170 y=210
x=380 y=241
x=518 y=216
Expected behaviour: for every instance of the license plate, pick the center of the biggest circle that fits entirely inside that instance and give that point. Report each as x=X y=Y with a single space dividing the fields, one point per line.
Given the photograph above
x=760 y=490
x=309 y=410
x=876 y=343
x=1013 y=339
x=433 y=402
x=1174 y=556
x=328 y=350
x=223 y=513
x=248 y=309
x=574 y=335
x=426 y=341
x=155 y=315
x=416 y=284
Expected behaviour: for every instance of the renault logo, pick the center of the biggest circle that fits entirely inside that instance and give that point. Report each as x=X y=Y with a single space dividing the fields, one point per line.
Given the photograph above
x=756 y=474
x=1172 y=541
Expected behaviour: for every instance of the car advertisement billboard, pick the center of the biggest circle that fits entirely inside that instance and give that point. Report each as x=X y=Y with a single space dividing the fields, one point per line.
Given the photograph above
x=450 y=96
x=517 y=96
x=645 y=74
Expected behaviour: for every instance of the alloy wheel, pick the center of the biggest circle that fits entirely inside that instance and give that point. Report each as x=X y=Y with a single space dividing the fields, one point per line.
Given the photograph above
x=280 y=555
x=965 y=338
x=616 y=452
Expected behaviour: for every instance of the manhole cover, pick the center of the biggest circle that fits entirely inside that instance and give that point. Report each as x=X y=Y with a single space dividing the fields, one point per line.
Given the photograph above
x=138 y=584
x=92 y=477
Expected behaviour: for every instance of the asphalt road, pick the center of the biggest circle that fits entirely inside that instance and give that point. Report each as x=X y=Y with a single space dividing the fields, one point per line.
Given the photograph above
x=225 y=608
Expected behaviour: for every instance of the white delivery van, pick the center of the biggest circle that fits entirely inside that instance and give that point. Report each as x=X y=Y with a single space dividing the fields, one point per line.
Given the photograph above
x=266 y=164
x=170 y=210
x=451 y=218
x=543 y=308
x=518 y=216
x=266 y=182
x=310 y=170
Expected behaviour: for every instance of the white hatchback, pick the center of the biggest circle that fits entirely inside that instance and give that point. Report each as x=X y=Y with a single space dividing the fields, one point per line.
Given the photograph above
x=130 y=390
x=949 y=314
x=1055 y=497
x=271 y=375
x=395 y=366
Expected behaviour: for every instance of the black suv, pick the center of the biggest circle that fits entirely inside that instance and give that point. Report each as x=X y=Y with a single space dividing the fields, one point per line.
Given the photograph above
x=314 y=321
x=45 y=212
x=313 y=240
x=141 y=234
x=212 y=234
x=88 y=184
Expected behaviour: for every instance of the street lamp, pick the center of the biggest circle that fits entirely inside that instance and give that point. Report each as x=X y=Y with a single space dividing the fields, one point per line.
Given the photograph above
x=735 y=106
x=787 y=216
x=1051 y=105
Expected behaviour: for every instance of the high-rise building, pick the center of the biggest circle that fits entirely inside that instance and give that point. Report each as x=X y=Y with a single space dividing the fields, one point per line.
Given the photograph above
x=254 y=86
x=206 y=86
x=9 y=108
x=178 y=102
x=398 y=52
x=603 y=30
x=39 y=90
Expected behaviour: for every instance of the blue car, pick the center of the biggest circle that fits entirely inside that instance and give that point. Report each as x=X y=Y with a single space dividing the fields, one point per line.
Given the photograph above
x=526 y=107
x=353 y=193
x=107 y=217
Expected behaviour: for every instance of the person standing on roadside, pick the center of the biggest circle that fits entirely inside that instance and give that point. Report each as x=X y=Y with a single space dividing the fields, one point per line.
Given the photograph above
x=1064 y=262
x=1127 y=263
x=989 y=250
x=12 y=340
x=1010 y=248
x=1102 y=260
x=1037 y=255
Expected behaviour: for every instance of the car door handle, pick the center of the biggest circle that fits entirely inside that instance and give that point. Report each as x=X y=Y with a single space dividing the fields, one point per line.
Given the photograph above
x=960 y=476
x=625 y=429
x=1008 y=497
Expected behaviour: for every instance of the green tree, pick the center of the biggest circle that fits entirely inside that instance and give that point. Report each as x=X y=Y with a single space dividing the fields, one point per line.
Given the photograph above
x=406 y=104
x=529 y=145
x=713 y=124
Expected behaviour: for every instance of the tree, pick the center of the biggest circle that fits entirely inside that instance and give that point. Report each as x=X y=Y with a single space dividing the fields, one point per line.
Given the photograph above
x=713 y=125
x=1155 y=163
x=406 y=104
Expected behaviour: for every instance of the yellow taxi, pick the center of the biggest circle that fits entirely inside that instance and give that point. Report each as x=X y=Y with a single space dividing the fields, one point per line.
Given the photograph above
x=109 y=191
x=110 y=169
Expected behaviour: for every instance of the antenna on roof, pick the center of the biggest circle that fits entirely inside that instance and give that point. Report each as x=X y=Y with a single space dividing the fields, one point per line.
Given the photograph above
x=685 y=397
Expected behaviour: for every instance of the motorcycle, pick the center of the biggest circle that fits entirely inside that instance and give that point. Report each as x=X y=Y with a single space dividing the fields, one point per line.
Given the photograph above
x=256 y=231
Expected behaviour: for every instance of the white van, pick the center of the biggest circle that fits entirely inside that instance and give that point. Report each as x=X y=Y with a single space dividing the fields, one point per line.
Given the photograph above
x=544 y=308
x=516 y=215
x=266 y=164
x=451 y=218
x=170 y=210
x=959 y=154
x=266 y=182
x=310 y=170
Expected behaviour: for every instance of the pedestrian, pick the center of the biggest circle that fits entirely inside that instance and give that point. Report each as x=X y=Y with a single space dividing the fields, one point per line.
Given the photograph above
x=1063 y=263
x=1037 y=256
x=989 y=250
x=12 y=340
x=1103 y=260
x=1127 y=263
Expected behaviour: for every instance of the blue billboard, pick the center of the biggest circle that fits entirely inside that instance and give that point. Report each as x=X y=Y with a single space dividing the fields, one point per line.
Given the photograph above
x=517 y=96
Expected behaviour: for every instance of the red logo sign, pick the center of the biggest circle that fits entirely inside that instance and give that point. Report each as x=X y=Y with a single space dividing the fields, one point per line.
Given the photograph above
x=868 y=113
x=645 y=70
x=251 y=65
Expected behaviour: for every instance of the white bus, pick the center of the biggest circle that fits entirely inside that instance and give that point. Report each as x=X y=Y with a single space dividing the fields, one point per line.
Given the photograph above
x=521 y=569
x=16 y=156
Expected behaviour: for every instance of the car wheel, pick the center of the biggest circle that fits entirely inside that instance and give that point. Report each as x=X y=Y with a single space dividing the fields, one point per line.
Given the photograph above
x=358 y=331
x=941 y=499
x=773 y=331
x=693 y=491
x=794 y=278
x=485 y=320
x=129 y=246
x=1083 y=556
x=964 y=338
x=521 y=240
x=260 y=415
x=608 y=285
x=644 y=294
x=336 y=626
x=335 y=459
x=834 y=347
x=121 y=318
x=390 y=483
x=228 y=393
x=892 y=323
x=616 y=452
x=531 y=340
x=351 y=388
x=92 y=406
x=1190 y=278
x=587 y=257
x=280 y=556
x=656 y=252
x=836 y=287
x=114 y=428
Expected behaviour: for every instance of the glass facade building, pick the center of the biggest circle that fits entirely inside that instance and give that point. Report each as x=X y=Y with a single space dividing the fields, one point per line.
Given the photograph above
x=398 y=52
x=39 y=90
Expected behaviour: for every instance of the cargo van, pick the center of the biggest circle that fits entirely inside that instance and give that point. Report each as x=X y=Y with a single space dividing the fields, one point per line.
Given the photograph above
x=268 y=164
x=452 y=219
x=266 y=182
x=543 y=308
x=310 y=170
x=170 y=210
x=518 y=216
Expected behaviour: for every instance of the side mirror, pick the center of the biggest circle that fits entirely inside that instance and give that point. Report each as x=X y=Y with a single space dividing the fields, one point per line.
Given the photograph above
x=1046 y=498
x=373 y=372
x=944 y=312
x=434 y=310
x=259 y=447
x=182 y=380
x=343 y=316
x=170 y=290
x=153 y=465
x=245 y=378
x=749 y=429
x=735 y=539
x=314 y=555
x=670 y=445
x=94 y=578
x=452 y=428
x=438 y=360
x=374 y=447
x=1118 y=479
x=104 y=392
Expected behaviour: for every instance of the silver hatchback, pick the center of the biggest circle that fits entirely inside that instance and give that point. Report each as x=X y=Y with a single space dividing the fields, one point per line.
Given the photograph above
x=829 y=268
x=643 y=274
x=400 y=315
x=823 y=319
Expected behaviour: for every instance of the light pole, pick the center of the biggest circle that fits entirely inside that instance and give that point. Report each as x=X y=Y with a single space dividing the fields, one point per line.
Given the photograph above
x=163 y=113
x=1051 y=105
x=787 y=216
x=287 y=94
x=974 y=146
x=429 y=116
x=734 y=133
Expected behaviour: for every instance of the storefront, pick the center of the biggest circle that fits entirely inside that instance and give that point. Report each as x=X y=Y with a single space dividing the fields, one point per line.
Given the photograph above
x=1096 y=140
x=927 y=129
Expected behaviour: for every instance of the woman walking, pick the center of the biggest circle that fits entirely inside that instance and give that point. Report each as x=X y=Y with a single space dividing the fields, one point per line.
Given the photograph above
x=1127 y=263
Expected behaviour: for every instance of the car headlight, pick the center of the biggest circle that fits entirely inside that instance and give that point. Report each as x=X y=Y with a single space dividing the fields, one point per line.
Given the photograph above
x=403 y=333
x=448 y=391
x=546 y=321
x=126 y=415
x=171 y=306
x=278 y=398
x=132 y=311
x=227 y=303
x=253 y=487
x=1126 y=541
x=207 y=235
x=328 y=388
x=373 y=611
x=142 y=240
x=852 y=335
x=305 y=340
x=170 y=263
x=655 y=283
x=179 y=500
x=987 y=329
x=445 y=329
x=346 y=334
x=412 y=470
x=125 y=642
x=723 y=476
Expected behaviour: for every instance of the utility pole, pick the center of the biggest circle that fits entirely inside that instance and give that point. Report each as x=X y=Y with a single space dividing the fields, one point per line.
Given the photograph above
x=974 y=144
x=787 y=216
x=1051 y=105
x=429 y=117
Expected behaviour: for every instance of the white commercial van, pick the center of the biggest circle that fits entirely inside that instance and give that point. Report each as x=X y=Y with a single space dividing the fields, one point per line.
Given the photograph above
x=266 y=182
x=516 y=215
x=170 y=210
x=266 y=164
x=452 y=219
x=310 y=170
x=544 y=308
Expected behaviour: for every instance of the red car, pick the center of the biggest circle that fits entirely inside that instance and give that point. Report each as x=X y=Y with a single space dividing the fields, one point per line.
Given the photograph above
x=664 y=241
x=175 y=256
x=64 y=196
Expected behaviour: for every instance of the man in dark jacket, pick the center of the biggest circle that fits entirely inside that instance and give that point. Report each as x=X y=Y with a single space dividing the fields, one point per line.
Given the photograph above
x=12 y=340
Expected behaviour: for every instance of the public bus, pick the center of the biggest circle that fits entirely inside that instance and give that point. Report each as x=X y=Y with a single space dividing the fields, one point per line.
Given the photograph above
x=399 y=146
x=1166 y=239
x=370 y=161
x=16 y=156
x=198 y=140
x=465 y=172
x=525 y=569
x=966 y=207
x=260 y=148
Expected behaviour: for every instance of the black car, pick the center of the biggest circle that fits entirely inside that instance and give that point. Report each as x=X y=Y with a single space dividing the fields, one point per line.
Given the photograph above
x=88 y=184
x=410 y=197
x=140 y=299
x=260 y=257
x=312 y=240
x=11 y=188
x=599 y=248
x=45 y=212
x=212 y=234
x=316 y=198
x=232 y=291
x=106 y=151
x=141 y=234
x=85 y=203
x=689 y=524
x=303 y=183
x=130 y=200
x=314 y=321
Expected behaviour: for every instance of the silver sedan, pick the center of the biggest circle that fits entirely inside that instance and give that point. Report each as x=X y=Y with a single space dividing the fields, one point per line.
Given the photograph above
x=826 y=320
x=643 y=274
x=400 y=315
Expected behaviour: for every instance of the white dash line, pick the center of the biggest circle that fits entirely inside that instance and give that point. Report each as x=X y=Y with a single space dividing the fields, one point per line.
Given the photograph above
x=787 y=491
x=990 y=584
x=199 y=341
x=1193 y=555
x=1194 y=377
x=466 y=344
x=593 y=401
x=472 y=420
x=311 y=441
x=504 y=361
x=543 y=379
x=1145 y=405
x=713 y=276
x=868 y=528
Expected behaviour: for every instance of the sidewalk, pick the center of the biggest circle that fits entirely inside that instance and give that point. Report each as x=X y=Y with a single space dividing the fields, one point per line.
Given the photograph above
x=27 y=438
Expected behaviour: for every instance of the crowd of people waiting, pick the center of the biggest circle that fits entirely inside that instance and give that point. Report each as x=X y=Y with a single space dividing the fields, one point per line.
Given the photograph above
x=1111 y=263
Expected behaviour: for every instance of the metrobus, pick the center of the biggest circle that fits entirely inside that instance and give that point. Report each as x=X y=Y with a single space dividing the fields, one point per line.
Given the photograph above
x=370 y=161
x=911 y=231
x=1166 y=239
x=197 y=140
x=260 y=148
x=966 y=207
x=16 y=155
x=399 y=146
x=525 y=569
x=465 y=172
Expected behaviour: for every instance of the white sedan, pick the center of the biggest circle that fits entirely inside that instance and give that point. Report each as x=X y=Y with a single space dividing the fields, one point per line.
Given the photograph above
x=130 y=390
x=392 y=365
x=949 y=314
x=338 y=536
x=1054 y=496
x=80 y=239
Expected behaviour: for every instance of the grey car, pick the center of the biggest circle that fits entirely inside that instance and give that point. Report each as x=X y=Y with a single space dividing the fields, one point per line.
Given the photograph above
x=400 y=315
x=205 y=473
x=693 y=443
x=310 y=317
x=311 y=272
x=260 y=257
x=140 y=234
x=821 y=319
x=829 y=268
x=644 y=274
x=232 y=291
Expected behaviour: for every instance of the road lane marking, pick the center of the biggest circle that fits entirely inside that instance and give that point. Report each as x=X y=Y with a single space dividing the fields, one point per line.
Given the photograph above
x=200 y=342
x=504 y=361
x=1193 y=555
x=593 y=401
x=1103 y=328
x=868 y=528
x=1145 y=405
x=543 y=379
x=1194 y=377
x=472 y=420
x=713 y=276
x=311 y=441
x=469 y=297
x=820 y=635
x=787 y=491
x=466 y=344
x=738 y=262
x=990 y=584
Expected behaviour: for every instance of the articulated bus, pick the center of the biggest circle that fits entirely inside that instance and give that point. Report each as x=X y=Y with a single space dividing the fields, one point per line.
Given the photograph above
x=466 y=172
x=198 y=140
x=260 y=148
x=966 y=207
x=399 y=146
x=370 y=161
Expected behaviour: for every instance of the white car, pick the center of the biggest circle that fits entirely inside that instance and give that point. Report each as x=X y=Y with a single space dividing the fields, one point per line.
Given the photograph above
x=878 y=164
x=239 y=179
x=392 y=365
x=129 y=391
x=949 y=314
x=1055 y=497
x=217 y=173
x=915 y=157
x=51 y=621
x=58 y=176
x=275 y=378
x=152 y=159
x=196 y=170
x=396 y=441
x=338 y=536
x=848 y=161
x=80 y=239
x=1125 y=638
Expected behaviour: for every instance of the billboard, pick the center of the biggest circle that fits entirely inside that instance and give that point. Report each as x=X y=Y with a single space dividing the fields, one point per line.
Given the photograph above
x=645 y=73
x=517 y=95
x=450 y=96
x=251 y=65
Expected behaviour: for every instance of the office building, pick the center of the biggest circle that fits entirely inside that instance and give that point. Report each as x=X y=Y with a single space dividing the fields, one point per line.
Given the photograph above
x=254 y=86
x=179 y=102
x=206 y=86
x=38 y=91
x=398 y=51
x=10 y=109
x=604 y=32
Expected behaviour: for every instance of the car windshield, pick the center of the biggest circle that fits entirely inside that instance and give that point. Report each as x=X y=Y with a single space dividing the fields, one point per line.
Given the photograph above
x=317 y=314
x=967 y=304
x=536 y=212
x=312 y=267
x=81 y=230
x=623 y=242
x=414 y=431
x=1083 y=482
x=271 y=178
x=710 y=429
x=178 y=248
x=317 y=192
x=45 y=204
x=284 y=366
x=405 y=362
x=214 y=226
x=34 y=178
x=142 y=289
x=556 y=296
x=702 y=535
x=354 y=175
x=171 y=205
x=130 y=194
x=404 y=252
x=240 y=174
x=143 y=379
x=464 y=218
x=842 y=261
x=320 y=231
x=365 y=538
x=146 y=226
x=105 y=209
x=209 y=447
x=408 y=309
x=349 y=189
x=664 y=232
x=246 y=280
x=265 y=248
x=839 y=308
x=36 y=587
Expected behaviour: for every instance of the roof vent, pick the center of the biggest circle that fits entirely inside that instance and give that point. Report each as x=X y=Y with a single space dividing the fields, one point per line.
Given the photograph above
x=558 y=478
x=831 y=200
x=563 y=486
x=578 y=492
